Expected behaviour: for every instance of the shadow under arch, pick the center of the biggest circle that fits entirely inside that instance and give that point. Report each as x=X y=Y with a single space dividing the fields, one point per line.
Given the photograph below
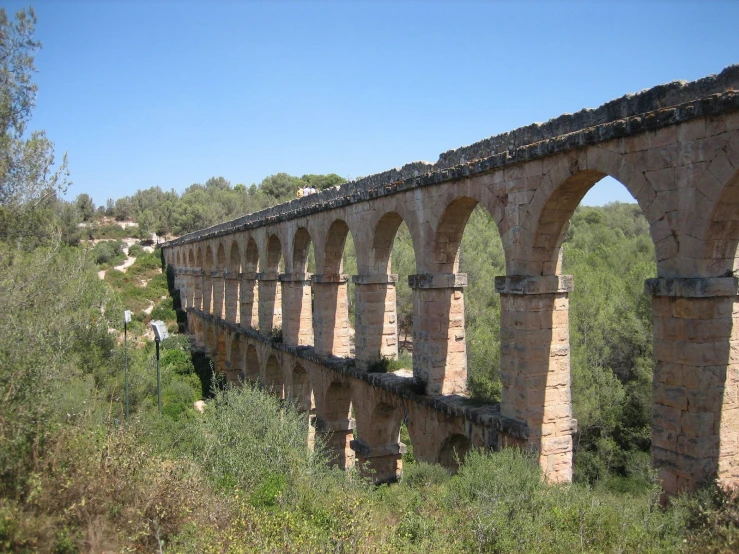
x=297 y=318
x=453 y=451
x=378 y=447
x=208 y=280
x=251 y=368
x=301 y=248
x=440 y=355
x=219 y=282
x=232 y=297
x=721 y=252
x=198 y=280
x=379 y=293
x=274 y=381
x=248 y=289
x=331 y=326
x=334 y=424
x=236 y=361
x=449 y=232
x=301 y=390
x=270 y=293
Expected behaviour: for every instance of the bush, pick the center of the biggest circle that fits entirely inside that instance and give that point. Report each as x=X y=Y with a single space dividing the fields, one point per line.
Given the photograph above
x=136 y=250
x=109 y=232
x=164 y=310
x=108 y=253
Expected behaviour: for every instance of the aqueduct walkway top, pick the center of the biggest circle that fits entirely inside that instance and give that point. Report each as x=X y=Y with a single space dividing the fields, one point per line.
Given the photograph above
x=675 y=147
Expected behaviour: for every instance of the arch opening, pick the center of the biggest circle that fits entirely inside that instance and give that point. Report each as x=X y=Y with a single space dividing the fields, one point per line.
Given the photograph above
x=333 y=293
x=270 y=289
x=301 y=389
x=385 y=424
x=722 y=242
x=252 y=364
x=453 y=451
x=604 y=324
x=274 y=380
x=235 y=372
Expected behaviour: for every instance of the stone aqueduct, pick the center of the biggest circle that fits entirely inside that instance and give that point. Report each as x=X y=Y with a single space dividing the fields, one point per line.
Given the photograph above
x=674 y=147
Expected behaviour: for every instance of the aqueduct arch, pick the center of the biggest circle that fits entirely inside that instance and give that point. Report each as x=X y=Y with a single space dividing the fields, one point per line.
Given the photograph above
x=674 y=147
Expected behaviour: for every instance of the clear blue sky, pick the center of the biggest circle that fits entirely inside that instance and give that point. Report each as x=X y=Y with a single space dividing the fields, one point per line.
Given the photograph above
x=167 y=93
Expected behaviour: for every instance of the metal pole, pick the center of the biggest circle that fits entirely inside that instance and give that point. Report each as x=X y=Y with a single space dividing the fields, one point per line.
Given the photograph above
x=159 y=381
x=125 y=348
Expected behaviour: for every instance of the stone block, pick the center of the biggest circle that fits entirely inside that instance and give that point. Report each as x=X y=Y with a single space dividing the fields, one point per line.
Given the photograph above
x=666 y=417
x=664 y=438
x=697 y=424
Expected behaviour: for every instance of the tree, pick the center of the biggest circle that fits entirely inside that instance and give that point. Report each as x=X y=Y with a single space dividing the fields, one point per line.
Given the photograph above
x=146 y=223
x=85 y=206
x=323 y=181
x=218 y=183
x=28 y=175
x=281 y=186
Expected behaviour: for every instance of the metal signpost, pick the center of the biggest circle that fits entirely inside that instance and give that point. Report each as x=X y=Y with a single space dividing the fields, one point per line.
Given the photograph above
x=160 y=333
x=126 y=321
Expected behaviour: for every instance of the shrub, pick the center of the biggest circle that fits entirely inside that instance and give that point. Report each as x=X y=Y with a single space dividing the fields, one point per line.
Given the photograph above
x=164 y=310
x=108 y=253
x=136 y=250
x=109 y=232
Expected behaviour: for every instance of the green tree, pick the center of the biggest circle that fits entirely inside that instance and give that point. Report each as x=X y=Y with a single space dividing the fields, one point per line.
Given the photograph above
x=321 y=182
x=29 y=179
x=85 y=206
x=146 y=223
x=281 y=186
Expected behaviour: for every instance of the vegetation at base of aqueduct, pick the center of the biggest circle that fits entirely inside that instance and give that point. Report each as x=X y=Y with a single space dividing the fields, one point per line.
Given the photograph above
x=74 y=476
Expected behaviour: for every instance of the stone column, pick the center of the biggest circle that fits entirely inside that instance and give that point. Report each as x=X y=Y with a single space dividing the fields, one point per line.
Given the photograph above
x=197 y=278
x=218 y=291
x=695 y=414
x=193 y=331
x=439 y=349
x=248 y=306
x=331 y=315
x=191 y=278
x=184 y=288
x=535 y=367
x=176 y=278
x=207 y=291
x=376 y=323
x=270 y=302
x=384 y=462
x=337 y=435
x=232 y=301
x=297 y=317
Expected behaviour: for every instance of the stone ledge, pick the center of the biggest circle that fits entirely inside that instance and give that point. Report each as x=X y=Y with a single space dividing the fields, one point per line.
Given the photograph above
x=335 y=278
x=652 y=109
x=230 y=274
x=267 y=276
x=437 y=280
x=295 y=277
x=381 y=279
x=523 y=284
x=323 y=426
x=248 y=275
x=216 y=274
x=367 y=451
x=487 y=415
x=693 y=287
